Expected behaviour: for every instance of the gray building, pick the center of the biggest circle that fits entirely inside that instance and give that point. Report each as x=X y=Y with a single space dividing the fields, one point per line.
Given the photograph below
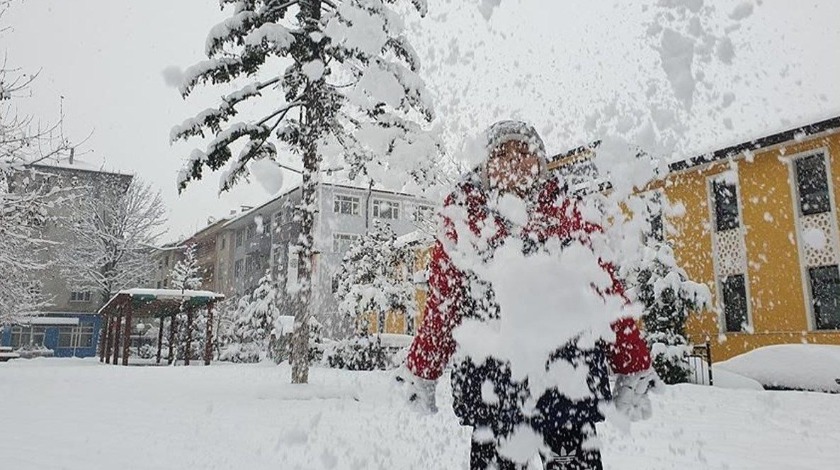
x=69 y=324
x=264 y=238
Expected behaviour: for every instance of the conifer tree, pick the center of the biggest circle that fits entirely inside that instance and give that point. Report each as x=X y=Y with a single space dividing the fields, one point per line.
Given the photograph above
x=370 y=282
x=186 y=275
x=254 y=321
x=668 y=296
x=339 y=81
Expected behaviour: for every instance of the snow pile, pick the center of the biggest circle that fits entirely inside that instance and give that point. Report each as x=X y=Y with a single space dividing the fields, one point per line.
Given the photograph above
x=790 y=366
x=726 y=379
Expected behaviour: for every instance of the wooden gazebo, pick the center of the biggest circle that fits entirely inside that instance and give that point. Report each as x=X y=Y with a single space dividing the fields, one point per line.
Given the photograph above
x=131 y=304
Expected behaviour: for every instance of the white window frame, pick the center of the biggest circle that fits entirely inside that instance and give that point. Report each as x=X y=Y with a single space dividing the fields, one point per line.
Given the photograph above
x=355 y=204
x=804 y=275
x=76 y=334
x=427 y=209
x=377 y=210
x=30 y=332
x=710 y=202
x=346 y=237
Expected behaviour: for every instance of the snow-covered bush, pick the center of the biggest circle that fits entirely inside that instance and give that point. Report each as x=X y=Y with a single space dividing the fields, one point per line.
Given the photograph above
x=147 y=351
x=358 y=353
x=253 y=324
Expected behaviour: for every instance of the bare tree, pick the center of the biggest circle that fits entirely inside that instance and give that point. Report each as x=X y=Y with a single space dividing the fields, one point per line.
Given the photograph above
x=112 y=237
x=24 y=195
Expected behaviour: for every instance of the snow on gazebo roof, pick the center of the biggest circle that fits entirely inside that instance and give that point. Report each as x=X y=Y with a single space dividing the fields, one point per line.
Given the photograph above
x=159 y=302
x=168 y=294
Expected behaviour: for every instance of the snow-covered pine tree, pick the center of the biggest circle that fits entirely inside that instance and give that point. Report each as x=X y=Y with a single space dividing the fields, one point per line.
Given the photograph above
x=187 y=275
x=369 y=281
x=255 y=317
x=668 y=297
x=345 y=89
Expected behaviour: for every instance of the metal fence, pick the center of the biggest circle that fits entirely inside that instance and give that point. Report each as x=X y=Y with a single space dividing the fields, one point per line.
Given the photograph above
x=700 y=361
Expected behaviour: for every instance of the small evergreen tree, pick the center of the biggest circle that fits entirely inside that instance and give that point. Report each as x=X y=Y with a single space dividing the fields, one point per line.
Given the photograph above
x=668 y=296
x=253 y=324
x=186 y=275
x=370 y=281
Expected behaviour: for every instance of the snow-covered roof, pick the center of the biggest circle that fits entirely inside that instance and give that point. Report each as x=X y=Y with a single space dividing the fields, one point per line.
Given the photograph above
x=158 y=302
x=173 y=294
x=395 y=340
x=50 y=321
x=413 y=237
x=78 y=164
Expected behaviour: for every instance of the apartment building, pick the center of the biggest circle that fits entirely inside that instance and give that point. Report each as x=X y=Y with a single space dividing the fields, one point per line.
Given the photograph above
x=264 y=238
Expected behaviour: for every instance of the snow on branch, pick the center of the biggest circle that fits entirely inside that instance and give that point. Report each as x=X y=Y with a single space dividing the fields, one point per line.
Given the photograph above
x=271 y=34
x=219 y=70
x=212 y=118
x=229 y=30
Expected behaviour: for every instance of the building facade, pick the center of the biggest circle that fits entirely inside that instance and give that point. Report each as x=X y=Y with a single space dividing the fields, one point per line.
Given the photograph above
x=69 y=324
x=264 y=239
x=760 y=229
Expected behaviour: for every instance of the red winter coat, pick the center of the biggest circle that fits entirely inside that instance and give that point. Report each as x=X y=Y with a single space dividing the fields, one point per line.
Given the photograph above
x=555 y=216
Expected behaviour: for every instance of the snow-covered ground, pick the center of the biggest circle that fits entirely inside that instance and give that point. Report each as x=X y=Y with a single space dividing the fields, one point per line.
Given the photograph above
x=78 y=414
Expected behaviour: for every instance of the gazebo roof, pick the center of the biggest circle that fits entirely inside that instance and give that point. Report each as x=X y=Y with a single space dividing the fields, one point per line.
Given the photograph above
x=158 y=302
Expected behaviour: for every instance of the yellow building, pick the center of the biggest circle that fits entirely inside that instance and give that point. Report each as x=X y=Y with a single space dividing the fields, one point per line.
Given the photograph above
x=760 y=229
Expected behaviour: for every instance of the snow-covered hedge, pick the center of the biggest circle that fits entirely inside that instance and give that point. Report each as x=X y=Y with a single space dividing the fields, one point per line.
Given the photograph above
x=790 y=366
x=365 y=353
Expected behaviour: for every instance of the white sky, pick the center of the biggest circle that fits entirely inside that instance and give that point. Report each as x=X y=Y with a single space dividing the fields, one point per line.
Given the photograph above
x=551 y=62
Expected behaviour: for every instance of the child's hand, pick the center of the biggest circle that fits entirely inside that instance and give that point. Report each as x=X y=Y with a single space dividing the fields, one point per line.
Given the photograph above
x=631 y=394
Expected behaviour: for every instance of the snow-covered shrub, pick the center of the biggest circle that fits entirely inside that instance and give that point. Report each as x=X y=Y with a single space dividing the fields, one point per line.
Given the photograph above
x=359 y=353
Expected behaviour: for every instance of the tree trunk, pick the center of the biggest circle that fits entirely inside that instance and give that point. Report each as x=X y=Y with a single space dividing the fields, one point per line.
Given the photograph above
x=312 y=129
x=188 y=347
x=300 y=339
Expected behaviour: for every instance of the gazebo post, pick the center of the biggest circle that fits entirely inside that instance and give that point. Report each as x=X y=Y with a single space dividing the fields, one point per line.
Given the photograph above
x=188 y=352
x=110 y=339
x=160 y=338
x=103 y=337
x=208 y=335
x=115 y=360
x=127 y=339
x=173 y=325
